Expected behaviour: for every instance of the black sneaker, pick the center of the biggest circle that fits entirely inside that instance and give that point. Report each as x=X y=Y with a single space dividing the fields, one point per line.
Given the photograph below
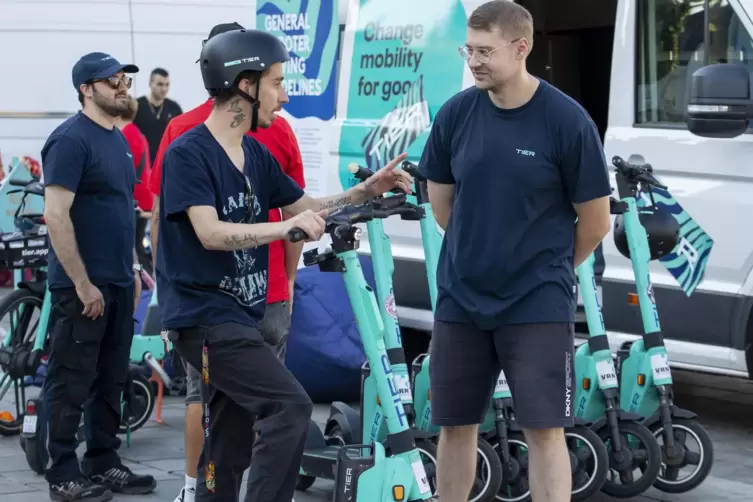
x=82 y=489
x=122 y=480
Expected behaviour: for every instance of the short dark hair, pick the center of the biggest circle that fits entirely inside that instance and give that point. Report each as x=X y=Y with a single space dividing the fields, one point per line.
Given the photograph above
x=512 y=19
x=158 y=71
x=223 y=96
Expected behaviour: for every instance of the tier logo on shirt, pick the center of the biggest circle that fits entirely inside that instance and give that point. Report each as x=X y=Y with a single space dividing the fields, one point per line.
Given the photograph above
x=247 y=285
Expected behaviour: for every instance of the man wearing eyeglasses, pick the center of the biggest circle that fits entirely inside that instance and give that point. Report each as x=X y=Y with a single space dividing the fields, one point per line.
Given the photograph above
x=512 y=163
x=93 y=276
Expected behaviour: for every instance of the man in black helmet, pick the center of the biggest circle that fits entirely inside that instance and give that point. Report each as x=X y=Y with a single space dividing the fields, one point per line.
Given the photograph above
x=218 y=185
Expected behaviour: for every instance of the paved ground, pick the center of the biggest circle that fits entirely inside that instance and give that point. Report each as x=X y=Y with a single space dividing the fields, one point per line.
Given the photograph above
x=158 y=449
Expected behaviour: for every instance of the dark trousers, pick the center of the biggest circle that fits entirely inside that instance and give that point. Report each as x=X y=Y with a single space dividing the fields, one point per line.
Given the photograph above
x=247 y=382
x=87 y=372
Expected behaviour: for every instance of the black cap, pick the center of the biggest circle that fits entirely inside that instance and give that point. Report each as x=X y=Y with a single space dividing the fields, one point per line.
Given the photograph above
x=224 y=27
x=221 y=28
x=98 y=65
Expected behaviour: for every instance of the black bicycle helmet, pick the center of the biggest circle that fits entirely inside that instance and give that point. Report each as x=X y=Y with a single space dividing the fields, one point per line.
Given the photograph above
x=226 y=55
x=662 y=229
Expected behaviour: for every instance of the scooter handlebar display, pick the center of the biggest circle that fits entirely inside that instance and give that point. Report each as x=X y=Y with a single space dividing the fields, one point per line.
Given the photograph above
x=641 y=174
x=341 y=221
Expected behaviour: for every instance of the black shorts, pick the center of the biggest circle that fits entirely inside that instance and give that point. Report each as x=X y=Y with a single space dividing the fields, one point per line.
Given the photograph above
x=537 y=360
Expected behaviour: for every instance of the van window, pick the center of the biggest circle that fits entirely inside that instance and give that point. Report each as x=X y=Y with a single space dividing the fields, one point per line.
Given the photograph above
x=669 y=48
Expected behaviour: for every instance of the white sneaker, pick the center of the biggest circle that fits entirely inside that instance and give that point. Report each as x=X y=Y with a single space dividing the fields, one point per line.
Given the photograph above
x=181 y=496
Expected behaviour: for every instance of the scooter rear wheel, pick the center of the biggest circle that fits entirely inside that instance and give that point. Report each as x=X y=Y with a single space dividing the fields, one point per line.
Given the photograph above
x=589 y=460
x=488 y=470
x=668 y=480
x=644 y=455
x=140 y=402
x=515 y=489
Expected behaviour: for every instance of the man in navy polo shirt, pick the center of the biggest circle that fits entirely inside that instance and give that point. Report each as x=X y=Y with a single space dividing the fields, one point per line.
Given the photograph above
x=512 y=163
x=89 y=210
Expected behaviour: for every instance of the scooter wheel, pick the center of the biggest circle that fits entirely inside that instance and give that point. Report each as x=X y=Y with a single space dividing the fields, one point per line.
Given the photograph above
x=35 y=448
x=589 y=460
x=488 y=480
x=140 y=403
x=516 y=488
x=683 y=430
x=304 y=482
x=488 y=470
x=642 y=454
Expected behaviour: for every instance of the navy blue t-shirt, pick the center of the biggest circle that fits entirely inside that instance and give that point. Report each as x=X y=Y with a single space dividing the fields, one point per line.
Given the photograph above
x=507 y=254
x=196 y=286
x=96 y=164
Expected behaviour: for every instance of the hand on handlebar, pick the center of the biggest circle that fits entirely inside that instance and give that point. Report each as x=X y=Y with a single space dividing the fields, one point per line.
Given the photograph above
x=309 y=222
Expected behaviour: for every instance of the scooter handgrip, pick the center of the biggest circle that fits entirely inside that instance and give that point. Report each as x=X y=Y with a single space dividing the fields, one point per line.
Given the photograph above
x=297 y=235
x=360 y=173
x=618 y=162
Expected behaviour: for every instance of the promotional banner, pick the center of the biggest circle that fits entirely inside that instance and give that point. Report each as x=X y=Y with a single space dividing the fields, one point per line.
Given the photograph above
x=310 y=31
x=404 y=66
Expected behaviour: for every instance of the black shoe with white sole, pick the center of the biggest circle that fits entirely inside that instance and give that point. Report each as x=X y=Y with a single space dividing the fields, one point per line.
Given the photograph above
x=80 y=490
x=121 y=480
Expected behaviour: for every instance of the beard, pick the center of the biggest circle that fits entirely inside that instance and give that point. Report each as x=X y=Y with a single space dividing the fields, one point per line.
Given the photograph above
x=114 y=107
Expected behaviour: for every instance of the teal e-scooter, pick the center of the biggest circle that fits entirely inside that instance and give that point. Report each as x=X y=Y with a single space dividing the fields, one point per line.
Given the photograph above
x=488 y=475
x=631 y=446
x=644 y=373
x=346 y=426
x=364 y=473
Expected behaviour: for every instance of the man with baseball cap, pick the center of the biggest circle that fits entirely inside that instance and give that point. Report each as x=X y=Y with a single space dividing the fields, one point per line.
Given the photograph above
x=94 y=281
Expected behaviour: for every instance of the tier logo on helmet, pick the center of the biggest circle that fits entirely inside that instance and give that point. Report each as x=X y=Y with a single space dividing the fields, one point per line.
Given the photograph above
x=241 y=61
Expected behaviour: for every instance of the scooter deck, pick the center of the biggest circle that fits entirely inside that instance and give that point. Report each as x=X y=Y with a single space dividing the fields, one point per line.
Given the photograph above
x=320 y=462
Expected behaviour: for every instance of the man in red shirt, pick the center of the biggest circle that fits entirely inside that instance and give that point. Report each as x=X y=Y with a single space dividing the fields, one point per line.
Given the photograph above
x=284 y=256
x=140 y=151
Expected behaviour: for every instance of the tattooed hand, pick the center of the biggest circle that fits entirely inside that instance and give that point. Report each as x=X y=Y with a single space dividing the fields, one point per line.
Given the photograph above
x=389 y=177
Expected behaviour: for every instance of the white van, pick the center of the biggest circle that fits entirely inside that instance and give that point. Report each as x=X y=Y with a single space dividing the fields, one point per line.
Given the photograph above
x=628 y=62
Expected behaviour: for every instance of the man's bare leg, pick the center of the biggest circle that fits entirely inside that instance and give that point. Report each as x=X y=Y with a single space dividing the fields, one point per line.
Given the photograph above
x=194 y=438
x=549 y=472
x=456 y=462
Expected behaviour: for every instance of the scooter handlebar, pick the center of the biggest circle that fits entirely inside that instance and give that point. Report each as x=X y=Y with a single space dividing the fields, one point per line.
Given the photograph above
x=642 y=173
x=344 y=218
x=412 y=169
x=364 y=173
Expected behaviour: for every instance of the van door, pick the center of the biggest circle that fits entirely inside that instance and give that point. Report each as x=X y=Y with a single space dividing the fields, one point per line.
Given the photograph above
x=711 y=179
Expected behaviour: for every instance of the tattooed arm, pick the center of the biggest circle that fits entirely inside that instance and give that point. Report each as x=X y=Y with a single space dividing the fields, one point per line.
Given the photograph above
x=219 y=235
x=382 y=181
x=356 y=195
